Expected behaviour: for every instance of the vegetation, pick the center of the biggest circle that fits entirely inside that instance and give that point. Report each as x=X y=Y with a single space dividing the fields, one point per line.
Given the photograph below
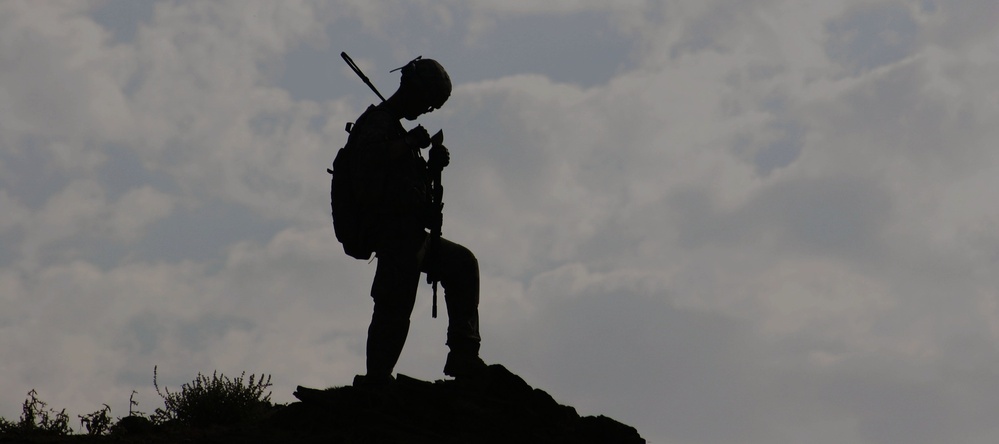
x=215 y=401
x=37 y=419
x=97 y=423
x=205 y=401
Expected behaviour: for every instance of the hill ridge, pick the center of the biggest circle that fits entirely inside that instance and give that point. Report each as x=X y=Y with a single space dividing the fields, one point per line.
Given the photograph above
x=497 y=406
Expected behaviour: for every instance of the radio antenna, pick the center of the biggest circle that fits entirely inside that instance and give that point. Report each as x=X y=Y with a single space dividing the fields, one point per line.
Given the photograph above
x=364 y=78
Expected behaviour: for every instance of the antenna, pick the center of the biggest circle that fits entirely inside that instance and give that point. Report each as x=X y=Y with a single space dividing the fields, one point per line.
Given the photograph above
x=364 y=78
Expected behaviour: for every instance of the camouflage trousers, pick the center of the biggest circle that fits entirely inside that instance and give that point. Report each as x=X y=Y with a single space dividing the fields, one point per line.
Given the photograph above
x=397 y=278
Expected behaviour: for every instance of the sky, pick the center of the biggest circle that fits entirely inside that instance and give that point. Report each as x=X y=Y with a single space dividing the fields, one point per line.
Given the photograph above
x=765 y=221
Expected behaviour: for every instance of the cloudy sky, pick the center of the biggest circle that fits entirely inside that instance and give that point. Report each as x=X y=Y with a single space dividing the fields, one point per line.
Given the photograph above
x=761 y=221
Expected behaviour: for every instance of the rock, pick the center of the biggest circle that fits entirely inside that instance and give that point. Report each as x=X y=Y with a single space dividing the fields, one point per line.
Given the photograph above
x=497 y=406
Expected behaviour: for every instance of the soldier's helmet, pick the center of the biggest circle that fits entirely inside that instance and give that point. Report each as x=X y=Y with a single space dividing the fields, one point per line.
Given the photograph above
x=428 y=76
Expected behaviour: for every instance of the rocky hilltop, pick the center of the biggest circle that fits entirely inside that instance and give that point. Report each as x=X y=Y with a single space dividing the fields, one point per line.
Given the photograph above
x=495 y=407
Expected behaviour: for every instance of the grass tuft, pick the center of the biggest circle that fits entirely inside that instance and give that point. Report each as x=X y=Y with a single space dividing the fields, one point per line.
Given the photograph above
x=217 y=400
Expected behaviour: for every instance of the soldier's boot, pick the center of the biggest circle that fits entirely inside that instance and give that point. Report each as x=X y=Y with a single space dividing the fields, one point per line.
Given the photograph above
x=373 y=380
x=460 y=365
x=463 y=360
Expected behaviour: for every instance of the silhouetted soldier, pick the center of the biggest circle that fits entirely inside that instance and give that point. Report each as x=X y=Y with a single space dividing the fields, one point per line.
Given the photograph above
x=396 y=193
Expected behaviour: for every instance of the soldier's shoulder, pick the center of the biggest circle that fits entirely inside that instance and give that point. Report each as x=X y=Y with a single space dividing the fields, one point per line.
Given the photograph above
x=377 y=115
x=374 y=123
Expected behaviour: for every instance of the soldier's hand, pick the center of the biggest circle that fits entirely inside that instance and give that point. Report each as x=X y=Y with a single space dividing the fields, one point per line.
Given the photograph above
x=440 y=157
x=433 y=218
x=418 y=137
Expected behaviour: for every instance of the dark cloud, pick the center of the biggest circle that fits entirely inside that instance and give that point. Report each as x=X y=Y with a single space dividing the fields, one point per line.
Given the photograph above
x=870 y=36
x=782 y=151
x=772 y=147
x=124 y=169
x=896 y=115
x=695 y=373
x=714 y=27
x=201 y=231
x=146 y=333
x=958 y=25
x=196 y=335
x=31 y=172
x=123 y=17
x=827 y=216
x=830 y=216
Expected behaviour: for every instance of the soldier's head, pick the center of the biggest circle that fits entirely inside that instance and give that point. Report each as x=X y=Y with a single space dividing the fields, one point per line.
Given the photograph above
x=425 y=85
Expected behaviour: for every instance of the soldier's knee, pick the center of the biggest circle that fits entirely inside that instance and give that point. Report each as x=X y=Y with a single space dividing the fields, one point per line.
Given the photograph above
x=458 y=263
x=469 y=263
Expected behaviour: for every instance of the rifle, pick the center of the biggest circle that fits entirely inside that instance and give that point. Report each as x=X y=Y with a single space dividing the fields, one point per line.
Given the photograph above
x=436 y=196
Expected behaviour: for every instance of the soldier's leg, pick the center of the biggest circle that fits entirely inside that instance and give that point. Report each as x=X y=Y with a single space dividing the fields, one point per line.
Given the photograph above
x=458 y=272
x=394 y=292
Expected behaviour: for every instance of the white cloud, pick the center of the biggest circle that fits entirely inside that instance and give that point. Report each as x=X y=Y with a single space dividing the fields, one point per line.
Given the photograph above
x=774 y=225
x=842 y=235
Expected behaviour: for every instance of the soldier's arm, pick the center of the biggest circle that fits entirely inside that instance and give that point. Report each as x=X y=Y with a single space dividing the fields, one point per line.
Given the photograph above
x=398 y=149
x=385 y=149
x=404 y=147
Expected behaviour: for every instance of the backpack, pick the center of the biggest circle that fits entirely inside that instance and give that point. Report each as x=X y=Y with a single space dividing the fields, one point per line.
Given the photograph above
x=347 y=208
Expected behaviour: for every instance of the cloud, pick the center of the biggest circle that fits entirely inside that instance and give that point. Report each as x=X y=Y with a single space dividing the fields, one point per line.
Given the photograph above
x=864 y=39
x=771 y=222
x=780 y=192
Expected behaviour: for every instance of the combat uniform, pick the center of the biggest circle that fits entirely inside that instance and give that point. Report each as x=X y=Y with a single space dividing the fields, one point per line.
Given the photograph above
x=396 y=196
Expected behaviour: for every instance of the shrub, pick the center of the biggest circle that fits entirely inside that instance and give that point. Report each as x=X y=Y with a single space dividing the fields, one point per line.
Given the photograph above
x=97 y=423
x=218 y=400
x=36 y=419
